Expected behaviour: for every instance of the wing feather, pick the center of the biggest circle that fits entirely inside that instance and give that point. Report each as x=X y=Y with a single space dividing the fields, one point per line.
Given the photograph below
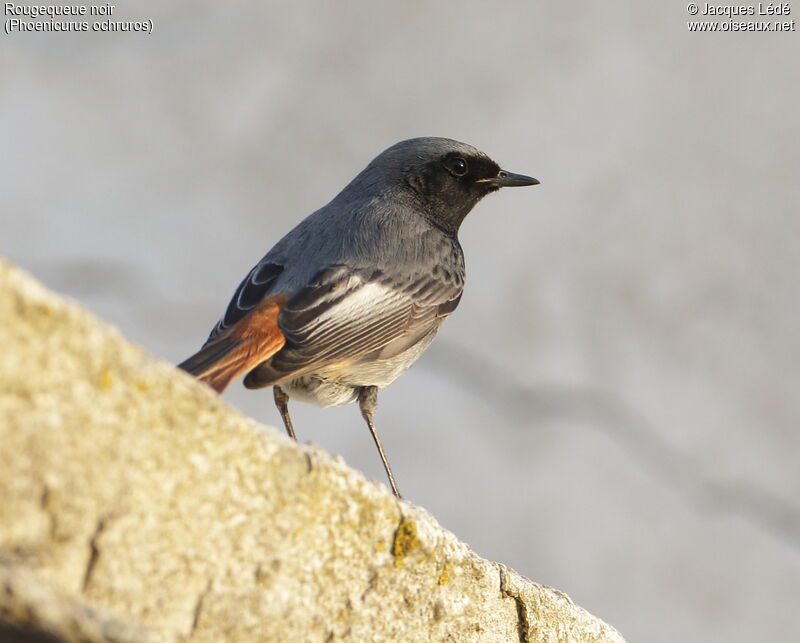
x=255 y=287
x=344 y=315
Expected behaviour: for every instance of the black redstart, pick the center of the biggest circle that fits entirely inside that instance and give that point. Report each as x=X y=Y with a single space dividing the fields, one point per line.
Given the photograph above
x=354 y=294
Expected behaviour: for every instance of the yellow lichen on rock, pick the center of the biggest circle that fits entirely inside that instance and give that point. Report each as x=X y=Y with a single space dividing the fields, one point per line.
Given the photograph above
x=405 y=540
x=444 y=577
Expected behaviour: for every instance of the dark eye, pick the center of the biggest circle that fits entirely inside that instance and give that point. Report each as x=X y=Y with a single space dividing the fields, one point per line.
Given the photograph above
x=457 y=166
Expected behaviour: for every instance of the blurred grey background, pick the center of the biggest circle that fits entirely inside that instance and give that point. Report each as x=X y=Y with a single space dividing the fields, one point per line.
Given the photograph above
x=613 y=410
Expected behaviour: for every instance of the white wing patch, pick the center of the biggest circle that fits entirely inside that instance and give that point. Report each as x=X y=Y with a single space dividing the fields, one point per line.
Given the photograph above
x=361 y=301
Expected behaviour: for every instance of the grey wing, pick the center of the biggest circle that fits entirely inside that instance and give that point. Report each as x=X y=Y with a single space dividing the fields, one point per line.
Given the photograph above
x=345 y=314
x=256 y=286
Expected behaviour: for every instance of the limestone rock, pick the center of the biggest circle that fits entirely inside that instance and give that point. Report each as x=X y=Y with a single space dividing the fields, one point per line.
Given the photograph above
x=136 y=505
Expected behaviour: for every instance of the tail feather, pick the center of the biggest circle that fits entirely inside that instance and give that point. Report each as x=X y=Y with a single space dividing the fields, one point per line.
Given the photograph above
x=216 y=363
x=206 y=357
x=252 y=340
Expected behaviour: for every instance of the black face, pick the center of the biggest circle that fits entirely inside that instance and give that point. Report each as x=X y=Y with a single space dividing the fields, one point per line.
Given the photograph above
x=473 y=174
x=452 y=184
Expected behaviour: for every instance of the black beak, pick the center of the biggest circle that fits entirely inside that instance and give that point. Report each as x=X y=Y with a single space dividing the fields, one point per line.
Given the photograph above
x=506 y=179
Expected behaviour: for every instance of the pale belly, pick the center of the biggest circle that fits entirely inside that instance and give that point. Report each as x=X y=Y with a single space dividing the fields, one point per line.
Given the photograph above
x=339 y=383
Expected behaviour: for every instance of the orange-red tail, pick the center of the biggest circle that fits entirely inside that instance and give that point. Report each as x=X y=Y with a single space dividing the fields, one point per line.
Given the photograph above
x=253 y=339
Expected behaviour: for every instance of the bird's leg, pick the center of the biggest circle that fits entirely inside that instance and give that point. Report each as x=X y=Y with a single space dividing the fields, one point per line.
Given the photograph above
x=368 y=403
x=282 y=402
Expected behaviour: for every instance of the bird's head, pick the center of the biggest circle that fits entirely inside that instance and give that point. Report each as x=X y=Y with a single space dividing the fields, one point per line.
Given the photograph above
x=440 y=177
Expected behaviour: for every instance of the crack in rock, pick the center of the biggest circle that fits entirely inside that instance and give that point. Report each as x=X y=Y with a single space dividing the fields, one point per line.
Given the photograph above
x=198 y=608
x=523 y=625
x=94 y=551
x=44 y=502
